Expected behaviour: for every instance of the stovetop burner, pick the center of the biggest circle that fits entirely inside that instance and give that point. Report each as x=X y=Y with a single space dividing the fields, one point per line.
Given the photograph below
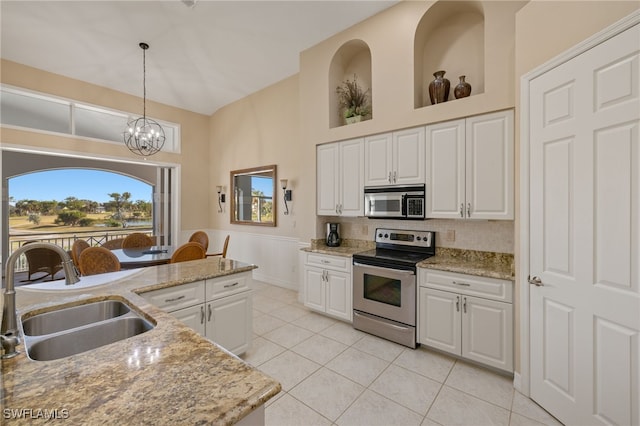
x=400 y=249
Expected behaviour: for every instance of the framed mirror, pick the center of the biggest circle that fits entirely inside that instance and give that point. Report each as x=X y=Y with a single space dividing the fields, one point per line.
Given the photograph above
x=253 y=196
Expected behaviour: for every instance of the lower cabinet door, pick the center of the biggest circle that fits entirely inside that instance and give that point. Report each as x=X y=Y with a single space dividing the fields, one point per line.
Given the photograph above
x=314 y=290
x=194 y=317
x=338 y=295
x=439 y=320
x=229 y=322
x=487 y=332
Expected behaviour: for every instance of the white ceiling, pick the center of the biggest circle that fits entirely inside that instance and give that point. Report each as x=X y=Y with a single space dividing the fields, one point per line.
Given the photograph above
x=200 y=58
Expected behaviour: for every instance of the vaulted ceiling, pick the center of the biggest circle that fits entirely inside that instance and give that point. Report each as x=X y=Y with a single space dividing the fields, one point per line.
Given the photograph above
x=202 y=56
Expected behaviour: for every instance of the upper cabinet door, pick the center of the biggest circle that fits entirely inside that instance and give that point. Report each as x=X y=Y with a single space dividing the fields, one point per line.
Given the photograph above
x=408 y=157
x=377 y=160
x=469 y=166
x=445 y=164
x=327 y=179
x=340 y=177
x=394 y=158
x=489 y=166
x=351 y=199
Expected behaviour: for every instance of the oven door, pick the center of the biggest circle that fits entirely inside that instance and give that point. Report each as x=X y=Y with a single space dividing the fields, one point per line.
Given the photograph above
x=385 y=292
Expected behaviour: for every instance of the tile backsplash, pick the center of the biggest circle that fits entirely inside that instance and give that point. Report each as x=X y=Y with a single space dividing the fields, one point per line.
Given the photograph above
x=482 y=235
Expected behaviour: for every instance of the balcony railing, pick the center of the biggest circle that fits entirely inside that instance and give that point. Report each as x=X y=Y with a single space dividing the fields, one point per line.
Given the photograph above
x=66 y=240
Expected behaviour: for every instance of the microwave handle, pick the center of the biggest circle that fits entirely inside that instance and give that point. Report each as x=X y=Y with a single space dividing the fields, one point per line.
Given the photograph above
x=404 y=204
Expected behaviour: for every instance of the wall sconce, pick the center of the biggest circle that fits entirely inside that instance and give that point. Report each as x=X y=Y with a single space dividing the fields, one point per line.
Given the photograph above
x=221 y=197
x=287 y=194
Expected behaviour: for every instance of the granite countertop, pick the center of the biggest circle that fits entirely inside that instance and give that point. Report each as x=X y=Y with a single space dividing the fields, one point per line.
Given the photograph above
x=479 y=263
x=347 y=247
x=168 y=375
x=471 y=262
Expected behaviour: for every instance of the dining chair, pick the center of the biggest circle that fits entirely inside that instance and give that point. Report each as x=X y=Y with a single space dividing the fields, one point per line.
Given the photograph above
x=42 y=260
x=78 y=247
x=223 y=253
x=98 y=260
x=188 y=251
x=200 y=237
x=136 y=240
x=114 y=244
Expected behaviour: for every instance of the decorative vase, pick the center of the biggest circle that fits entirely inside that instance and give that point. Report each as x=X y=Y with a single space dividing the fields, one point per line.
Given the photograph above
x=439 y=88
x=353 y=119
x=463 y=89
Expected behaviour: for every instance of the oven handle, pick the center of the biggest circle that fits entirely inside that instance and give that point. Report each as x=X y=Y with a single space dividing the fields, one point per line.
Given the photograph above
x=395 y=271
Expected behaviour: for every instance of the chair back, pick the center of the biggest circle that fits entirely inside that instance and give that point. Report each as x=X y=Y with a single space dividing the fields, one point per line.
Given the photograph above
x=114 y=244
x=137 y=240
x=188 y=251
x=225 y=247
x=98 y=260
x=223 y=253
x=43 y=260
x=200 y=237
x=78 y=247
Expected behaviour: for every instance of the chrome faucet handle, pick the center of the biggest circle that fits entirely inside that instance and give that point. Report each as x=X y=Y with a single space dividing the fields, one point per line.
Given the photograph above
x=9 y=343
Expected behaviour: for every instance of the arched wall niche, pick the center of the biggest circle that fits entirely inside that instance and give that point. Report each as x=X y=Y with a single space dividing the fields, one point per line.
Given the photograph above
x=352 y=58
x=449 y=37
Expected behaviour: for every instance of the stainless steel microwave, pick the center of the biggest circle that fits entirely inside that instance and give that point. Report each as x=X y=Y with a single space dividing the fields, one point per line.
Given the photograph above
x=394 y=202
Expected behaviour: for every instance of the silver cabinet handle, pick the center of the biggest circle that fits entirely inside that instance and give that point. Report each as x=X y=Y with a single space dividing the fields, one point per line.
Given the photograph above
x=462 y=284
x=457 y=303
x=231 y=285
x=389 y=178
x=201 y=314
x=175 y=299
x=535 y=281
x=209 y=309
x=336 y=209
x=340 y=208
x=464 y=305
x=395 y=177
x=324 y=261
x=461 y=209
x=468 y=209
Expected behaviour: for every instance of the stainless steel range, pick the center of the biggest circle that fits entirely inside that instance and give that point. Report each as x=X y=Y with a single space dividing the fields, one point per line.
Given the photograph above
x=384 y=284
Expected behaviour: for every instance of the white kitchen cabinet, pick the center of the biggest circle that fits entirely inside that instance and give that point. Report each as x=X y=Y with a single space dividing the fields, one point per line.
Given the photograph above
x=219 y=308
x=340 y=175
x=452 y=318
x=470 y=168
x=327 y=285
x=395 y=158
x=229 y=322
x=193 y=317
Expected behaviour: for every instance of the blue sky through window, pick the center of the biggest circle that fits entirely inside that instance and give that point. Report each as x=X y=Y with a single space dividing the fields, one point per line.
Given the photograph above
x=83 y=184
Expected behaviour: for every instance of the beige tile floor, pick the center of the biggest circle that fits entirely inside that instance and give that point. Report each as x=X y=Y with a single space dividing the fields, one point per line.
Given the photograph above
x=332 y=374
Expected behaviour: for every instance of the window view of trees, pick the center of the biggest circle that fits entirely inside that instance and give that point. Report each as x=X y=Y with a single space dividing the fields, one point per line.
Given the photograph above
x=117 y=212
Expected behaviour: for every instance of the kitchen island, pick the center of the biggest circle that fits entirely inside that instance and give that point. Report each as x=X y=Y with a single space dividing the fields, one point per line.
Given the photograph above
x=168 y=375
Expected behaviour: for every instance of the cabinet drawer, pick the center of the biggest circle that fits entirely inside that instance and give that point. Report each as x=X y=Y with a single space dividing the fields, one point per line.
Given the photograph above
x=338 y=263
x=178 y=297
x=489 y=288
x=225 y=286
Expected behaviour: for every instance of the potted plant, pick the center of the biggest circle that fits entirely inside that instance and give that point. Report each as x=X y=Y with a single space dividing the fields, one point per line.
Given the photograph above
x=353 y=100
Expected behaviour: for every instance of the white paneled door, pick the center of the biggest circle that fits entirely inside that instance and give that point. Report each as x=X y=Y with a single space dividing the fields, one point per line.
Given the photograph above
x=584 y=235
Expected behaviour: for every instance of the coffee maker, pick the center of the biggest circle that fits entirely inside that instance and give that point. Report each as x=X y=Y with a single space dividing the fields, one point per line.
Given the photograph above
x=333 y=234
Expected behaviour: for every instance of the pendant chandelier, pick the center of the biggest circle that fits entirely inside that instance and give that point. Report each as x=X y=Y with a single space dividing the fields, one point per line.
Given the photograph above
x=143 y=135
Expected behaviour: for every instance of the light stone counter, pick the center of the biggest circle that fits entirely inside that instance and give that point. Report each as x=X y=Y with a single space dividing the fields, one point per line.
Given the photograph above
x=168 y=375
x=347 y=248
x=479 y=263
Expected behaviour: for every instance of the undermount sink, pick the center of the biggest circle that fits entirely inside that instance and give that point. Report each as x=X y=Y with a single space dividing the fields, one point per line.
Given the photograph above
x=72 y=330
x=72 y=317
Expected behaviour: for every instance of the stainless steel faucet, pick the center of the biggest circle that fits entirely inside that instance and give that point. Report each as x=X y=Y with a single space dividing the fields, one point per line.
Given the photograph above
x=9 y=330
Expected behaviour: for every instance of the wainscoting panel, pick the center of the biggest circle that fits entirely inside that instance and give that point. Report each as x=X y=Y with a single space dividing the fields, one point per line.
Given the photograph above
x=275 y=256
